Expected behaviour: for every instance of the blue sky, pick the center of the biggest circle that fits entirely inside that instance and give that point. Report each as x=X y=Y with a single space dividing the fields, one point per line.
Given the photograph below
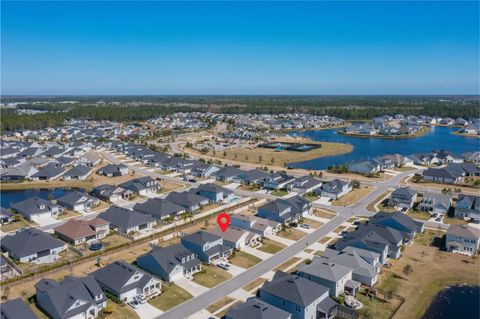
x=240 y=47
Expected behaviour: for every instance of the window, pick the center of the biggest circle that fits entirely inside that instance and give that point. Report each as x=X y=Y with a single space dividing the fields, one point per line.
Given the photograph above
x=297 y=309
x=284 y=303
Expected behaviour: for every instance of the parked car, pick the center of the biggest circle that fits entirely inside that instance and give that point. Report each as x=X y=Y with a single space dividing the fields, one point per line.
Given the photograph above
x=134 y=304
x=306 y=226
x=223 y=266
x=294 y=224
x=140 y=299
x=435 y=215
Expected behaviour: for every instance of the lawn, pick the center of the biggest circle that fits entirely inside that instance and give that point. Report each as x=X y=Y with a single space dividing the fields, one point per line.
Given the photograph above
x=67 y=214
x=404 y=169
x=279 y=192
x=292 y=234
x=313 y=223
x=378 y=307
x=419 y=215
x=219 y=304
x=355 y=195
x=371 y=205
x=169 y=186
x=244 y=260
x=114 y=240
x=271 y=246
x=311 y=197
x=288 y=264
x=322 y=213
x=15 y=225
x=454 y=221
x=171 y=296
x=210 y=276
x=254 y=284
x=324 y=240
x=339 y=229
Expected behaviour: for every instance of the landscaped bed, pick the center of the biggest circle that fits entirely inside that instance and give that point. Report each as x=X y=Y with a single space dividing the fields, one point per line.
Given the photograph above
x=244 y=260
x=171 y=296
x=210 y=276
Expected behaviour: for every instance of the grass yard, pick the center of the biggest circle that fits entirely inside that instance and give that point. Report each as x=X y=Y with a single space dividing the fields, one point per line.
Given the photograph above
x=16 y=225
x=114 y=240
x=279 y=192
x=214 y=307
x=404 y=169
x=318 y=253
x=371 y=205
x=120 y=311
x=254 y=284
x=288 y=264
x=454 y=221
x=419 y=215
x=210 y=276
x=313 y=223
x=355 y=195
x=339 y=229
x=308 y=250
x=67 y=214
x=208 y=207
x=40 y=314
x=292 y=234
x=324 y=240
x=377 y=308
x=171 y=296
x=244 y=260
x=271 y=246
x=311 y=197
x=322 y=213
x=169 y=186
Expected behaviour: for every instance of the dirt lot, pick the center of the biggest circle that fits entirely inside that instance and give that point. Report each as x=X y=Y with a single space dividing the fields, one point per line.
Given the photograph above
x=355 y=195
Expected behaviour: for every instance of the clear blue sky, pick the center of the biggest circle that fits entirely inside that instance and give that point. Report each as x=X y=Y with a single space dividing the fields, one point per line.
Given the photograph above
x=240 y=48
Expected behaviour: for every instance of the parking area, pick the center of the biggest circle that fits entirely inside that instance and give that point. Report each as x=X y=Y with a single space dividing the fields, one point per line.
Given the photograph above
x=147 y=311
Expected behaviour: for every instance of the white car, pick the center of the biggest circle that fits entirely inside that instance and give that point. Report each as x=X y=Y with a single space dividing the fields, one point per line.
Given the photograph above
x=134 y=304
x=306 y=226
x=223 y=266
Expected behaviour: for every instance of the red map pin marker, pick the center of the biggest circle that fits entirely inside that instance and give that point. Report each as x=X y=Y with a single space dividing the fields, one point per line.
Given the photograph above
x=223 y=221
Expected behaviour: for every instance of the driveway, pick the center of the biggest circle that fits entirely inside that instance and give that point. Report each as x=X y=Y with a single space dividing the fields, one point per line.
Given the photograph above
x=190 y=286
x=147 y=311
x=46 y=221
x=232 y=186
x=323 y=201
x=234 y=270
x=257 y=253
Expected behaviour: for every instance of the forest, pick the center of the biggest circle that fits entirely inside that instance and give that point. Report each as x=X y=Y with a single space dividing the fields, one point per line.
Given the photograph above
x=137 y=108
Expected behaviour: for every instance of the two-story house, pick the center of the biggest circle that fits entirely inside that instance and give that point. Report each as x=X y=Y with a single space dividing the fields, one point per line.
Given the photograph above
x=79 y=231
x=403 y=198
x=142 y=185
x=206 y=246
x=462 y=239
x=468 y=206
x=334 y=189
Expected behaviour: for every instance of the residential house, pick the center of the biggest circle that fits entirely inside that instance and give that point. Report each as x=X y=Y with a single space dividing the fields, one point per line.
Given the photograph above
x=6 y=216
x=302 y=298
x=190 y=201
x=462 y=239
x=468 y=206
x=214 y=193
x=204 y=169
x=286 y=210
x=362 y=271
x=403 y=198
x=170 y=263
x=255 y=176
x=111 y=193
x=79 y=231
x=159 y=208
x=398 y=160
x=445 y=156
x=435 y=203
x=16 y=309
x=206 y=246
x=79 y=172
x=335 y=188
x=70 y=298
x=127 y=221
x=452 y=173
x=472 y=157
x=371 y=241
x=49 y=172
x=78 y=201
x=235 y=237
x=142 y=185
x=35 y=208
x=278 y=181
x=264 y=227
x=392 y=236
x=126 y=282
x=399 y=221
x=18 y=173
x=304 y=185
x=29 y=244
x=331 y=275
x=364 y=167
x=254 y=308
x=228 y=174
x=112 y=170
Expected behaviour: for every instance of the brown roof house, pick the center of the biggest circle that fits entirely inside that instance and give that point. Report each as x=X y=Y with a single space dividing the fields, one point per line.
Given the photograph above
x=79 y=231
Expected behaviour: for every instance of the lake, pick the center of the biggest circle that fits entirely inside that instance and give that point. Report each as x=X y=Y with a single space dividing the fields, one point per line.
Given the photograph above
x=439 y=137
x=7 y=198
x=455 y=302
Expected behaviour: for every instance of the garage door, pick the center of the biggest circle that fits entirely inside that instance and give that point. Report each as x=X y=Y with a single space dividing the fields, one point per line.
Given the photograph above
x=43 y=253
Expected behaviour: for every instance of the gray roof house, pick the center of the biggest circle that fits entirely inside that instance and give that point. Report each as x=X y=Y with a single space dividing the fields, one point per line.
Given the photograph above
x=362 y=271
x=468 y=206
x=364 y=167
x=31 y=244
x=6 y=216
x=228 y=174
x=206 y=246
x=20 y=172
x=462 y=239
x=254 y=308
x=304 y=185
x=78 y=201
x=49 y=172
x=331 y=275
x=34 y=208
x=255 y=224
x=393 y=236
x=142 y=185
x=335 y=188
x=371 y=241
x=159 y=208
x=79 y=172
x=214 y=192
x=111 y=193
x=190 y=201
x=170 y=263
x=16 y=309
x=278 y=181
x=112 y=170
x=203 y=170
x=125 y=281
x=127 y=221
x=302 y=298
x=255 y=176
x=435 y=203
x=70 y=298
x=399 y=221
x=403 y=197
x=285 y=210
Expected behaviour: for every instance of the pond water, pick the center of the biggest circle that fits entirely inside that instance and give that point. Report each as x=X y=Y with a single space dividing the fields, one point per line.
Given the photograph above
x=455 y=302
x=439 y=137
x=7 y=198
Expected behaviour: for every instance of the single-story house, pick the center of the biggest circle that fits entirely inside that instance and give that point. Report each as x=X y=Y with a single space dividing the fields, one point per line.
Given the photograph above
x=264 y=227
x=112 y=170
x=142 y=185
x=79 y=172
x=78 y=231
x=78 y=201
x=111 y=193
x=159 y=208
x=35 y=208
x=190 y=201
x=127 y=221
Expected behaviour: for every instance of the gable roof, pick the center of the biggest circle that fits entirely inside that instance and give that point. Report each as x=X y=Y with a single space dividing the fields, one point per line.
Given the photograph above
x=326 y=270
x=33 y=205
x=79 y=170
x=169 y=257
x=254 y=308
x=463 y=231
x=293 y=288
x=48 y=171
x=124 y=218
x=29 y=241
x=15 y=309
x=158 y=207
x=79 y=228
x=185 y=199
x=75 y=197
